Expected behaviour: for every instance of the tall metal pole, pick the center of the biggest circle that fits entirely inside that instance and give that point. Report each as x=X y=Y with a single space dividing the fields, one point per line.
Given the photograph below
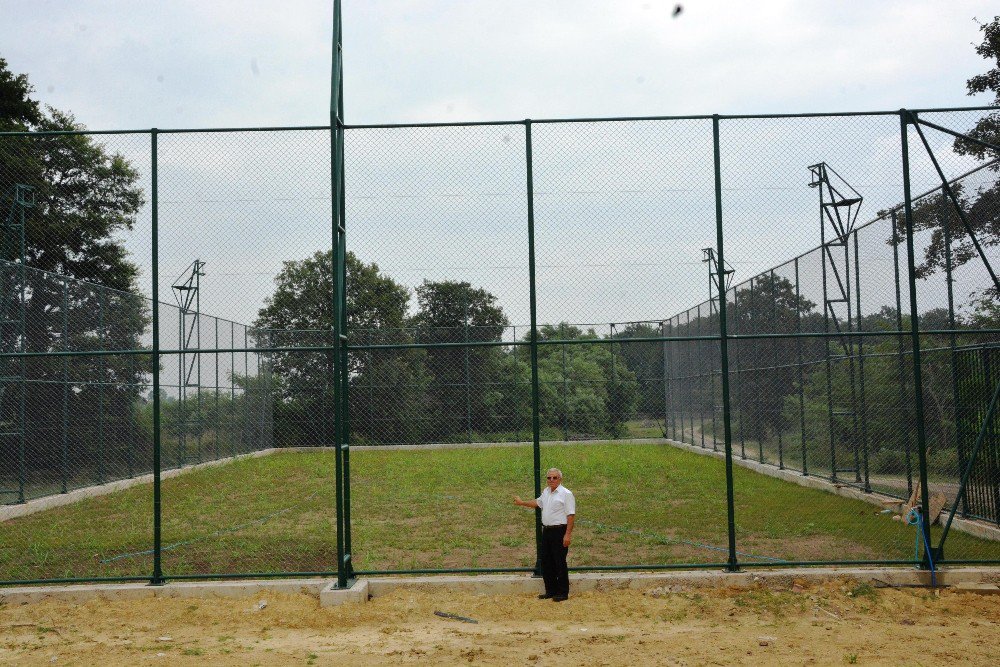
x=535 y=424
x=733 y=564
x=338 y=277
x=918 y=389
x=344 y=368
x=157 y=579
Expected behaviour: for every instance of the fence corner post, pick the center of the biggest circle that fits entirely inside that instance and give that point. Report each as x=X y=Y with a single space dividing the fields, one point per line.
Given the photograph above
x=905 y=118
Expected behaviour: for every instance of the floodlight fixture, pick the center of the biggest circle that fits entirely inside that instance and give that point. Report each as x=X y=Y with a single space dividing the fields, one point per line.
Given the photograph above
x=839 y=201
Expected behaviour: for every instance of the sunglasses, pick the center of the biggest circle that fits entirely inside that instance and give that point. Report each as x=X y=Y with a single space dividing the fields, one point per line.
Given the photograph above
x=551 y=478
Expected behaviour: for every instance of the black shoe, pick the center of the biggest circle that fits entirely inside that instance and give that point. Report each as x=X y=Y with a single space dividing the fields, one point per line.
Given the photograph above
x=545 y=596
x=560 y=598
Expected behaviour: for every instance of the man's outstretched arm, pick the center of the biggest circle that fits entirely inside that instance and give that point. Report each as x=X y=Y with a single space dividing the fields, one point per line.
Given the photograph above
x=526 y=503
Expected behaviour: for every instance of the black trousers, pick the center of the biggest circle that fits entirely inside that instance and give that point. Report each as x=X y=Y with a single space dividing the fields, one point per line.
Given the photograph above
x=554 y=570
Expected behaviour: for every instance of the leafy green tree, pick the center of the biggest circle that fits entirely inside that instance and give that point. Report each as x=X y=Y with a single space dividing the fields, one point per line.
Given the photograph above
x=84 y=197
x=645 y=360
x=767 y=304
x=585 y=390
x=982 y=207
x=300 y=313
x=465 y=396
x=987 y=128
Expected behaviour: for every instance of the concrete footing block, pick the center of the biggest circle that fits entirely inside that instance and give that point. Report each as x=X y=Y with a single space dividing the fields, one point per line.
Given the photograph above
x=331 y=596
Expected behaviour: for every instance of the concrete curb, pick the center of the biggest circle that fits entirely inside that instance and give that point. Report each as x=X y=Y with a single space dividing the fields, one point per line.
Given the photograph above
x=181 y=589
x=364 y=589
x=8 y=512
x=976 y=528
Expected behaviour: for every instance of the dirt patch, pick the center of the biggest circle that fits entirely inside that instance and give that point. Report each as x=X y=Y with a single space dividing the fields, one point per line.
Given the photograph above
x=836 y=623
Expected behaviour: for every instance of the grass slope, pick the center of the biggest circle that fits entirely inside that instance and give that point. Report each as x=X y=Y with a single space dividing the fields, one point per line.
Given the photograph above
x=637 y=504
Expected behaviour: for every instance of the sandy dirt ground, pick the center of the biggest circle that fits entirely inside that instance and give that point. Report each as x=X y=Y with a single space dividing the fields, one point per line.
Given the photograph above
x=830 y=624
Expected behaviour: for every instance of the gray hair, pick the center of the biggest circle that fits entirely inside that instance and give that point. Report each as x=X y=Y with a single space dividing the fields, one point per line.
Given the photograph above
x=555 y=470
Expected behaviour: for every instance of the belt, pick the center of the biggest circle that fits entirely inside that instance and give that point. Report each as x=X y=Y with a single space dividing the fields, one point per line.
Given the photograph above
x=557 y=525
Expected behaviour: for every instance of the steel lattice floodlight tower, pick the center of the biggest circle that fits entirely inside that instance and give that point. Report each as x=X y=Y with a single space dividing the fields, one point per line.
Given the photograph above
x=187 y=293
x=711 y=259
x=839 y=204
x=12 y=333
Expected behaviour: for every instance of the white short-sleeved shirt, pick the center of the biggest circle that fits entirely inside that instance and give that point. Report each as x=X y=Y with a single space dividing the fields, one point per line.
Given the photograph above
x=556 y=505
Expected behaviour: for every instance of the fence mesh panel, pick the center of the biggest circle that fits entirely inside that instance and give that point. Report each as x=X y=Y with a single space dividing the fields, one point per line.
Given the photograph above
x=822 y=376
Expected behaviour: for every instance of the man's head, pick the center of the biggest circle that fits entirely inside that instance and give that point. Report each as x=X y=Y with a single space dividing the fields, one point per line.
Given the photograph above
x=553 y=478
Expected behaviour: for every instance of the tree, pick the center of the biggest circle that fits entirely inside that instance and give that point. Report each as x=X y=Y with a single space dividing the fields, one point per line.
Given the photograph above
x=84 y=196
x=585 y=390
x=987 y=128
x=948 y=235
x=17 y=110
x=982 y=207
x=465 y=395
x=645 y=360
x=300 y=313
x=768 y=304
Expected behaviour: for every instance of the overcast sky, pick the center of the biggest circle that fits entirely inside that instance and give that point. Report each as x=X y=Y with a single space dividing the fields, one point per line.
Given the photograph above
x=442 y=204
x=126 y=64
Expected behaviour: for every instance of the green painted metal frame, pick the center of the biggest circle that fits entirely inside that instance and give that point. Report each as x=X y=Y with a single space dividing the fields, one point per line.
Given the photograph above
x=341 y=346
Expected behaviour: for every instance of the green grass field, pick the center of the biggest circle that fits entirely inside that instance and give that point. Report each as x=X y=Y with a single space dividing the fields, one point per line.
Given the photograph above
x=637 y=504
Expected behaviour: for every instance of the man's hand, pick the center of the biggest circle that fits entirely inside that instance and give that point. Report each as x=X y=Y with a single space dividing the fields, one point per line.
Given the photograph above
x=518 y=501
x=567 y=538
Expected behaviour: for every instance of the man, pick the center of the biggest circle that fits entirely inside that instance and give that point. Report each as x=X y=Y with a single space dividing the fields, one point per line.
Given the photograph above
x=558 y=513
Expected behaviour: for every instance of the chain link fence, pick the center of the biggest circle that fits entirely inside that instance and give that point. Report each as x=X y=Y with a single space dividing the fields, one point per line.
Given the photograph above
x=600 y=296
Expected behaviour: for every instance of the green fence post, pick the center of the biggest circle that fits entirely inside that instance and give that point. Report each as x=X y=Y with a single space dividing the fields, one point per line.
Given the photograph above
x=911 y=271
x=64 y=464
x=776 y=360
x=701 y=378
x=952 y=341
x=535 y=423
x=466 y=368
x=565 y=387
x=102 y=363
x=861 y=369
x=338 y=270
x=901 y=353
x=157 y=578
x=344 y=365
x=217 y=419
x=733 y=564
x=738 y=353
x=798 y=349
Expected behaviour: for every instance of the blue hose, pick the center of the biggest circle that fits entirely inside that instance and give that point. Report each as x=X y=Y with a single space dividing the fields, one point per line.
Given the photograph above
x=915 y=518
